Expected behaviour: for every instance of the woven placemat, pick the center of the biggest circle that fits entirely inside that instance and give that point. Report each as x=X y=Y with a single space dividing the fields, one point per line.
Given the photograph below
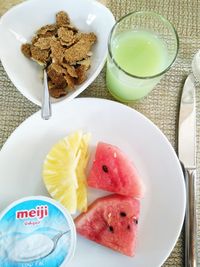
x=161 y=106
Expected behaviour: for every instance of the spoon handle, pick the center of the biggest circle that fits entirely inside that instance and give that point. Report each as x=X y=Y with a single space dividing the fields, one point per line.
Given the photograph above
x=46 y=105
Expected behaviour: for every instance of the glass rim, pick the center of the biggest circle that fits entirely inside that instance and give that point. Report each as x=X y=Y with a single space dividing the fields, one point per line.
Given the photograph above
x=143 y=12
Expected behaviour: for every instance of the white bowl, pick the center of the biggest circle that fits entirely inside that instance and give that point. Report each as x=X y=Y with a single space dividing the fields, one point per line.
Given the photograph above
x=18 y=25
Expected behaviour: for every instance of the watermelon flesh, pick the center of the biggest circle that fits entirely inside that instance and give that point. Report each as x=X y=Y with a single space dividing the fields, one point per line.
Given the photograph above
x=114 y=172
x=112 y=222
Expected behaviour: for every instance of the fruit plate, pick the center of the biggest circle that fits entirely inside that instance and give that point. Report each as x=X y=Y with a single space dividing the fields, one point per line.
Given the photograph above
x=163 y=207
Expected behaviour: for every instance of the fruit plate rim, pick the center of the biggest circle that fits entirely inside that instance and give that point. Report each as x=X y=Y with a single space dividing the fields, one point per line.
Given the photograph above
x=120 y=125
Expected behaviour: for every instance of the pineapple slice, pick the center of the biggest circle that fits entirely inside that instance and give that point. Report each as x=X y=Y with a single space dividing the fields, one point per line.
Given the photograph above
x=59 y=170
x=81 y=173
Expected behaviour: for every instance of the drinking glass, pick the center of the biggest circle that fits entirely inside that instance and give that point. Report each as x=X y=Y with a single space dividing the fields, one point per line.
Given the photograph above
x=142 y=47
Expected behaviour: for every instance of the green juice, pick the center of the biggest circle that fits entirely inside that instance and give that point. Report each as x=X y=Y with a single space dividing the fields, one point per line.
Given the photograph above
x=138 y=53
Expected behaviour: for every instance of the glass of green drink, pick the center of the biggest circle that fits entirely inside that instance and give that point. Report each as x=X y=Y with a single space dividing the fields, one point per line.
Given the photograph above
x=142 y=47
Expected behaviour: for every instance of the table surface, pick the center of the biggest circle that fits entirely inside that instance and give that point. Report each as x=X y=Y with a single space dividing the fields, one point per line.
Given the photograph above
x=162 y=104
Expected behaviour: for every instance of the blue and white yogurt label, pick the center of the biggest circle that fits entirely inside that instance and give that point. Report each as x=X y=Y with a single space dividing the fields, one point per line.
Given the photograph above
x=35 y=232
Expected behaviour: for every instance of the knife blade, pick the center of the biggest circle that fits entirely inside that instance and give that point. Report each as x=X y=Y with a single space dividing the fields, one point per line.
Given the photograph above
x=187 y=155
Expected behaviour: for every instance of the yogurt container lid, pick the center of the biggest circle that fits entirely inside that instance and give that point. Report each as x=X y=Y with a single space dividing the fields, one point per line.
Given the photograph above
x=36 y=231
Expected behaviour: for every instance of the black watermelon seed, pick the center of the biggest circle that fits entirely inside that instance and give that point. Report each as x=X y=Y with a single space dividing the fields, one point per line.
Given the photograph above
x=111 y=229
x=135 y=221
x=128 y=227
x=122 y=214
x=105 y=168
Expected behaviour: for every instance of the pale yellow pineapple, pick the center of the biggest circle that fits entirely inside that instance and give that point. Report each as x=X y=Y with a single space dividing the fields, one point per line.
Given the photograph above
x=81 y=173
x=59 y=170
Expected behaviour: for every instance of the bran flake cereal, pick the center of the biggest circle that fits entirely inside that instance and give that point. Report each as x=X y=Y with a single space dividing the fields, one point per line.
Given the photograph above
x=64 y=51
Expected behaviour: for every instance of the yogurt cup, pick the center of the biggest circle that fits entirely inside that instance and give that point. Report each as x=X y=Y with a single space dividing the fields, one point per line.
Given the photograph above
x=36 y=231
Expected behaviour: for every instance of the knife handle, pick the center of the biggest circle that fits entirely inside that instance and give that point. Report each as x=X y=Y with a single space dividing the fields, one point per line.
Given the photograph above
x=190 y=220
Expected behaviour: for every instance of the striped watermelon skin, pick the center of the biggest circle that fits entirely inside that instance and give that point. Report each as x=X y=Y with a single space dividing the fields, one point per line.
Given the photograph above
x=111 y=221
x=114 y=172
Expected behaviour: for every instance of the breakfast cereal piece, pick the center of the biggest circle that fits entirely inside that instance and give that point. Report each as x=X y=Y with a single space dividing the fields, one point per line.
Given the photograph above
x=89 y=54
x=43 y=42
x=34 y=39
x=55 y=73
x=56 y=91
x=26 y=50
x=67 y=36
x=49 y=34
x=86 y=62
x=70 y=70
x=57 y=51
x=47 y=29
x=80 y=49
x=73 y=28
x=58 y=68
x=41 y=56
x=81 y=72
x=69 y=80
x=62 y=18
x=67 y=44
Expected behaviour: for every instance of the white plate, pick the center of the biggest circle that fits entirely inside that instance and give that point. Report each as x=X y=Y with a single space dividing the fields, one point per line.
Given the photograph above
x=20 y=23
x=162 y=209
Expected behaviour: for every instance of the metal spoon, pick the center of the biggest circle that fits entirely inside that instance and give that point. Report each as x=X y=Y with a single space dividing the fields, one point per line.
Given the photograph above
x=46 y=104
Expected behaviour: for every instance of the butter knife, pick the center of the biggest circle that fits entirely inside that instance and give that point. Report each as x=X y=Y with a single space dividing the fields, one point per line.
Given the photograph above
x=187 y=155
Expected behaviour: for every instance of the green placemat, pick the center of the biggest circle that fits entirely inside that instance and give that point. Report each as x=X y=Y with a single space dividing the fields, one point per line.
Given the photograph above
x=161 y=106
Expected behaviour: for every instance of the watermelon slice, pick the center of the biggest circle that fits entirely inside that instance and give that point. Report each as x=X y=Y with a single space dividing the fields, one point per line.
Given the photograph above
x=111 y=221
x=113 y=171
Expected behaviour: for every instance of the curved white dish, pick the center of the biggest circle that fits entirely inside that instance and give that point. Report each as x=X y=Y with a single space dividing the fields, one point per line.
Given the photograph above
x=19 y=24
x=162 y=209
